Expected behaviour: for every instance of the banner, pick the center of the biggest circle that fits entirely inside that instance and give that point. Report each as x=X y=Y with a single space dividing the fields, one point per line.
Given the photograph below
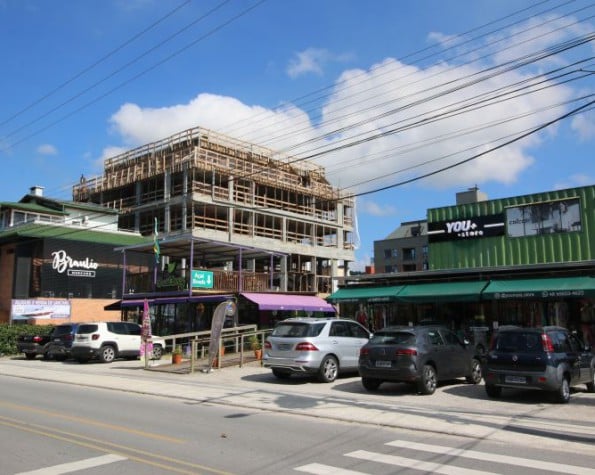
x=224 y=309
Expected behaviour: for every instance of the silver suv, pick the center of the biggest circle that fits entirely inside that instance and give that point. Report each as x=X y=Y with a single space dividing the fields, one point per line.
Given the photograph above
x=110 y=340
x=319 y=346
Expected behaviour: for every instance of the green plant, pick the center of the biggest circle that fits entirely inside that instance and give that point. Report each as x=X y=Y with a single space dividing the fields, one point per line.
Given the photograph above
x=177 y=350
x=254 y=342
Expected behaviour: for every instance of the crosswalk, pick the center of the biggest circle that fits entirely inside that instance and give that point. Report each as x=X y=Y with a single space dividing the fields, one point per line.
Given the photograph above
x=454 y=466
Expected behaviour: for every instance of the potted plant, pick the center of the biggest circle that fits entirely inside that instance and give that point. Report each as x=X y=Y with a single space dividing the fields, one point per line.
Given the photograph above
x=256 y=346
x=176 y=354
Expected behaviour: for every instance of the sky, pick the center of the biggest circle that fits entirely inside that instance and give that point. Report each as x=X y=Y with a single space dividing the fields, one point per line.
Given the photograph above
x=404 y=103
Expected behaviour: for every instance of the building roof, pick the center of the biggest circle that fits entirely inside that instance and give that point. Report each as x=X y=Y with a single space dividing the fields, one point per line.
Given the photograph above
x=409 y=229
x=72 y=233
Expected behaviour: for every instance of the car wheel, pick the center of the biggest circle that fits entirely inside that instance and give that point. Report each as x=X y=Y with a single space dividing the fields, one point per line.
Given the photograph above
x=281 y=374
x=562 y=395
x=493 y=391
x=30 y=356
x=427 y=383
x=328 y=369
x=591 y=385
x=107 y=354
x=475 y=376
x=371 y=384
x=157 y=352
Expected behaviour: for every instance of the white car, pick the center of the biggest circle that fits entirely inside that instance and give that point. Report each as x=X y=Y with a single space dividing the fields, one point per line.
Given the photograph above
x=323 y=347
x=110 y=340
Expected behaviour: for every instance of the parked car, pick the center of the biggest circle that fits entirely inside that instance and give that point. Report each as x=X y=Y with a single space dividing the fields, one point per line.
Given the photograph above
x=319 y=346
x=61 y=340
x=107 y=341
x=421 y=355
x=34 y=345
x=548 y=358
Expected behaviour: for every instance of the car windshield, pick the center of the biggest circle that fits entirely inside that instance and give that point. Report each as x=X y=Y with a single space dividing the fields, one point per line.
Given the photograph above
x=297 y=329
x=62 y=330
x=87 y=329
x=513 y=342
x=393 y=338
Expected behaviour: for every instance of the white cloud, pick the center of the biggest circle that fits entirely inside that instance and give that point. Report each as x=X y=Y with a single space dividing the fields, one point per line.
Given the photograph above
x=367 y=103
x=313 y=61
x=309 y=61
x=47 y=149
x=573 y=181
x=584 y=126
x=375 y=209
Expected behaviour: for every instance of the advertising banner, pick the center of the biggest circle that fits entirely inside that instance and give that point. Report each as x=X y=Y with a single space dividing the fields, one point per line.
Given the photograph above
x=38 y=309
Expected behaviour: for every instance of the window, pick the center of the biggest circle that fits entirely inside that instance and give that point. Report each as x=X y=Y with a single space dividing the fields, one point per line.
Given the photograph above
x=395 y=253
x=434 y=338
x=357 y=331
x=387 y=253
x=409 y=254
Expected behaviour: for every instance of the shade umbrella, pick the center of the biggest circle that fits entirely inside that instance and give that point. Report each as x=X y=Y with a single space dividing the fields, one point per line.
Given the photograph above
x=146 y=344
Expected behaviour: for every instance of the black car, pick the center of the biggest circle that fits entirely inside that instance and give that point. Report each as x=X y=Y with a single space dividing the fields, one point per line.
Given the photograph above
x=61 y=341
x=547 y=358
x=421 y=355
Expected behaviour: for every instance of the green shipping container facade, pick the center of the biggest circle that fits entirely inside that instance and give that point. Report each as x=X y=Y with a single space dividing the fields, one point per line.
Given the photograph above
x=542 y=228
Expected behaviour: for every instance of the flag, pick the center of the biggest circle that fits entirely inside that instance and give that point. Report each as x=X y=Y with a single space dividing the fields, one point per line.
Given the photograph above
x=156 y=249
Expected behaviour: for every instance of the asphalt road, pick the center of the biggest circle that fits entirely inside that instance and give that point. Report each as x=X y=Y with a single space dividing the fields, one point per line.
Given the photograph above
x=243 y=420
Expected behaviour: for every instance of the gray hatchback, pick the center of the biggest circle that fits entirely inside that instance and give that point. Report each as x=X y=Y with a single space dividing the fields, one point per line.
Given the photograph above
x=420 y=355
x=319 y=346
x=548 y=358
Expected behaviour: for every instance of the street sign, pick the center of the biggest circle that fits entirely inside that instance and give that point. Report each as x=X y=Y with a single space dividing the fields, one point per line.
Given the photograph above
x=202 y=279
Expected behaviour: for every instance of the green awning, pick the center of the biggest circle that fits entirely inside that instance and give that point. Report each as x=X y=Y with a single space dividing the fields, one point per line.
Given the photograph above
x=442 y=292
x=561 y=287
x=368 y=294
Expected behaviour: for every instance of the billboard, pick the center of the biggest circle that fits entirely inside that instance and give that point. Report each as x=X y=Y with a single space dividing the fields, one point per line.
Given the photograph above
x=549 y=217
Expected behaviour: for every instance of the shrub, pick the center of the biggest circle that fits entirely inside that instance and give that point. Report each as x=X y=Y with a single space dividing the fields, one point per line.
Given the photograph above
x=9 y=333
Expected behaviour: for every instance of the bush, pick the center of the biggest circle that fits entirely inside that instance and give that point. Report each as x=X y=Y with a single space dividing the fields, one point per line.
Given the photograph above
x=9 y=333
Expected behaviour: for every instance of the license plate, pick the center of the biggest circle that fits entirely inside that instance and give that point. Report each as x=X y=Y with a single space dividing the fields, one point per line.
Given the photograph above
x=383 y=364
x=285 y=347
x=515 y=379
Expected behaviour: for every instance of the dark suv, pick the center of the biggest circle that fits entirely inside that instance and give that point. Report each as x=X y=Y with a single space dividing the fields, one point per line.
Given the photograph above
x=421 y=355
x=61 y=341
x=547 y=358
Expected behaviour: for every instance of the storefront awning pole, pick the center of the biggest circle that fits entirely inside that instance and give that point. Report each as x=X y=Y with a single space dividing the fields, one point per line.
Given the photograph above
x=191 y=265
x=123 y=273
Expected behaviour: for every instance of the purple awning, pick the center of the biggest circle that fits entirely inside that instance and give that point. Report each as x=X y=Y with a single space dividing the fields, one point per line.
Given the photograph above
x=308 y=303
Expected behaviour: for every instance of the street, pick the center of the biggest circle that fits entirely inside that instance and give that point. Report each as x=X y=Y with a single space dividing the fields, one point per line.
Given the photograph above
x=242 y=420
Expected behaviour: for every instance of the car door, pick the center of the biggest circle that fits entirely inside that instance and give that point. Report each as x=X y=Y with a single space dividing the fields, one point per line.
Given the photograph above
x=584 y=358
x=436 y=351
x=568 y=354
x=457 y=359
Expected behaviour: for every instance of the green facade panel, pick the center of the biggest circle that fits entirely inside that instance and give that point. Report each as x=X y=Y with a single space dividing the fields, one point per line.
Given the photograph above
x=550 y=246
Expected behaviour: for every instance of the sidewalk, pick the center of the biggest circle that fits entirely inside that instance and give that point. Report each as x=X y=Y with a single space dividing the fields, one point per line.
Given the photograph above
x=456 y=409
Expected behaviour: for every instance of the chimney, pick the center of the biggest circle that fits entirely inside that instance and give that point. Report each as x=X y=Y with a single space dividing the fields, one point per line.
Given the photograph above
x=36 y=190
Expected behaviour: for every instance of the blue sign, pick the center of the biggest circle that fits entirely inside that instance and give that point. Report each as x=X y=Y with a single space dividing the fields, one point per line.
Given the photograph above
x=202 y=279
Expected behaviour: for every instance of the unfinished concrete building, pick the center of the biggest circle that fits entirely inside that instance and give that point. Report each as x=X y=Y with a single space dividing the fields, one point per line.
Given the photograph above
x=214 y=187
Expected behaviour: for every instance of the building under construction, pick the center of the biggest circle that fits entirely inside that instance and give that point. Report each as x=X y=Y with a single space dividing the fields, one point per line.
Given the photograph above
x=206 y=185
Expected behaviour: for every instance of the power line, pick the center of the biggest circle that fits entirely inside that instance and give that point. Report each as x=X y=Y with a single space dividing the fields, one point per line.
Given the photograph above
x=94 y=64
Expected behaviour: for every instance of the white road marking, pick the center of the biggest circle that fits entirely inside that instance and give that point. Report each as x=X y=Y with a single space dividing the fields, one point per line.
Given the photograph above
x=320 y=469
x=74 y=466
x=489 y=457
x=431 y=467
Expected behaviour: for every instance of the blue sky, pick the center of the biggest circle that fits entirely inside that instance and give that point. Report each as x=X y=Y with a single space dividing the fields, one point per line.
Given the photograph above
x=380 y=93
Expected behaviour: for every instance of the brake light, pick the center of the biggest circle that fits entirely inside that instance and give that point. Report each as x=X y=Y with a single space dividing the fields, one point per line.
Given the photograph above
x=68 y=337
x=37 y=339
x=364 y=351
x=95 y=336
x=546 y=341
x=305 y=346
x=406 y=352
x=267 y=345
